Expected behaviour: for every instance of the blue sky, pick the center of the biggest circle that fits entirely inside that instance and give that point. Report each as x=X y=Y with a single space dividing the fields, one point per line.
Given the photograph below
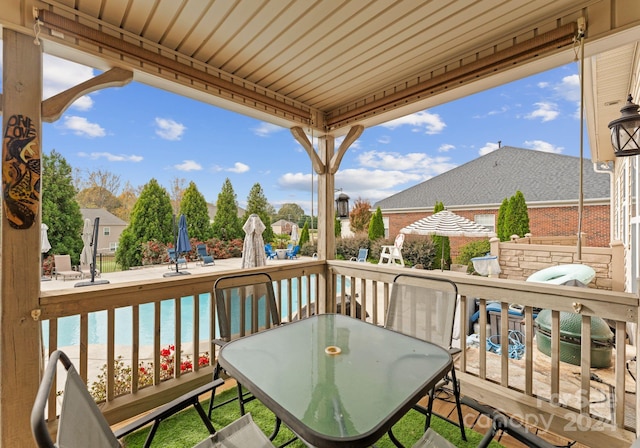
x=139 y=132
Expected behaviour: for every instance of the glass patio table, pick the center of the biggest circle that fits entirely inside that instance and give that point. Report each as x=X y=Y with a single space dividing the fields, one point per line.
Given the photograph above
x=335 y=380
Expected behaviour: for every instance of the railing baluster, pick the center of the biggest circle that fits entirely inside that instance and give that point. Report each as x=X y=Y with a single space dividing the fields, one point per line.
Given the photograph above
x=482 y=351
x=156 y=343
x=110 y=354
x=52 y=411
x=621 y=355
x=177 y=326
x=374 y=300
x=585 y=364
x=528 y=350
x=135 y=348
x=555 y=356
x=84 y=346
x=196 y=332
x=504 y=344
x=464 y=330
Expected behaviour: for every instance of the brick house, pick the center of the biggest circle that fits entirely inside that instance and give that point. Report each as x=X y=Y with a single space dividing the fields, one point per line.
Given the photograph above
x=475 y=190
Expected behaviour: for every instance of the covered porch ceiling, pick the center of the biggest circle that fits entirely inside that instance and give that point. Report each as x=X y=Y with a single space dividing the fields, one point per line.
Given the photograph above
x=328 y=65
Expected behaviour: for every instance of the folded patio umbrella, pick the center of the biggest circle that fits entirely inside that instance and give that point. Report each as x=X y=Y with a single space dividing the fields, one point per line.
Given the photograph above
x=253 y=254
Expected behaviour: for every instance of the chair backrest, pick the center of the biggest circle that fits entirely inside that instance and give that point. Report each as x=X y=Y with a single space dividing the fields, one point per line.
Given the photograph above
x=399 y=241
x=80 y=423
x=245 y=304
x=423 y=307
x=62 y=262
x=362 y=254
x=202 y=250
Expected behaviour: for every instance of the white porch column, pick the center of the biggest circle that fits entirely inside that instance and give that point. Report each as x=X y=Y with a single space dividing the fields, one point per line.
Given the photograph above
x=20 y=246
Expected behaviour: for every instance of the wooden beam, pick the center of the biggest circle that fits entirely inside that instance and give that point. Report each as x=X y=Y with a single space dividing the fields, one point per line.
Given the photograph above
x=54 y=107
x=20 y=354
x=318 y=166
x=354 y=133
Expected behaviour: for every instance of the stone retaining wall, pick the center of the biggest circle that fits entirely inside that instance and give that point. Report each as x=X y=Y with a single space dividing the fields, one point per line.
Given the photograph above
x=519 y=261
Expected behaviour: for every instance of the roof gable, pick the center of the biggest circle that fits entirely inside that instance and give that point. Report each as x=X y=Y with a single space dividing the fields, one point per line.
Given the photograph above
x=487 y=180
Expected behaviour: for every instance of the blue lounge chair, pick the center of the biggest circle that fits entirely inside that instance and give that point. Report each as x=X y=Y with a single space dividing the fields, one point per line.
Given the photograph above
x=182 y=261
x=293 y=252
x=271 y=254
x=362 y=256
x=205 y=258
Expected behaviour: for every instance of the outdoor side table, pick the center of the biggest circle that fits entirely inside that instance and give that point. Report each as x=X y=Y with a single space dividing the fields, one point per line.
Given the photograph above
x=335 y=380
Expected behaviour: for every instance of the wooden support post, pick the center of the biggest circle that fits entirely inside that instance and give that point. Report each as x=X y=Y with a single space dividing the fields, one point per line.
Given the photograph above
x=20 y=353
x=326 y=213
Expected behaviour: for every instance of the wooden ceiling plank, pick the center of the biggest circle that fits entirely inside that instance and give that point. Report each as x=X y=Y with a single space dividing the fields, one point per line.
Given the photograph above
x=113 y=11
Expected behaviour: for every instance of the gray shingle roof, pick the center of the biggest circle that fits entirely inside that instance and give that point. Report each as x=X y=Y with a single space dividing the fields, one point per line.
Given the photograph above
x=106 y=218
x=540 y=176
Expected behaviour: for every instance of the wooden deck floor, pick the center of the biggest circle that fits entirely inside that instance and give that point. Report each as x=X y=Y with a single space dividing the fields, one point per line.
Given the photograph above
x=445 y=406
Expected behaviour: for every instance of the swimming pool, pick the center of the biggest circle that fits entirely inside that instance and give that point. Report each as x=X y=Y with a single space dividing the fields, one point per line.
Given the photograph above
x=69 y=327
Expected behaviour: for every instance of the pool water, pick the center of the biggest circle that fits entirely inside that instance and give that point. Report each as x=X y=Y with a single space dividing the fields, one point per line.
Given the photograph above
x=69 y=327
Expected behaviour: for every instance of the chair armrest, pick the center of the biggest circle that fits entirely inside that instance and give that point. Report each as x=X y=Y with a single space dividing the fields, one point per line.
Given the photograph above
x=167 y=410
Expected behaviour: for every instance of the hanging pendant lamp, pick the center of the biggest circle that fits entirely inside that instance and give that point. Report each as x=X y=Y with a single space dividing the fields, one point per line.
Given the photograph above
x=625 y=131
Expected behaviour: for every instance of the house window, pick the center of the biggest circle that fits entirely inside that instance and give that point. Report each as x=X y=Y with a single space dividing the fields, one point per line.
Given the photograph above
x=106 y=231
x=113 y=246
x=386 y=227
x=489 y=221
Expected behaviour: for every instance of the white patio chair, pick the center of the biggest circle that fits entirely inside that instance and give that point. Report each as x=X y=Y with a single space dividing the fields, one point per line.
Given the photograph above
x=62 y=264
x=393 y=254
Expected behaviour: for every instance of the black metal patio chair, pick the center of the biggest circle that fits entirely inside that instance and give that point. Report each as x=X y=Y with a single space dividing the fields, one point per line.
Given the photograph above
x=81 y=424
x=425 y=307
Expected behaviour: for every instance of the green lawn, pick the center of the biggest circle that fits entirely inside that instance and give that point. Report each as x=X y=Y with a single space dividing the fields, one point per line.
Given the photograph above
x=186 y=429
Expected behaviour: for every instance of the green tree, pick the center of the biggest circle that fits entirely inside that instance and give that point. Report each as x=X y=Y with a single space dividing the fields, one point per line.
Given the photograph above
x=194 y=207
x=226 y=224
x=98 y=197
x=442 y=247
x=304 y=234
x=60 y=211
x=360 y=216
x=376 y=226
x=289 y=212
x=502 y=214
x=337 y=226
x=517 y=222
x=151 y=219
x=257 y=203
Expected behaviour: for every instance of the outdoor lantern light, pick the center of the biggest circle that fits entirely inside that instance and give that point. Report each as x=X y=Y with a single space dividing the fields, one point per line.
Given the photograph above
x=342 y=205
x=625 y=131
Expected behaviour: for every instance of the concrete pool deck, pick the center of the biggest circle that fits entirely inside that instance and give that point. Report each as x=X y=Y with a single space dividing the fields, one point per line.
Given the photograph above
x=155 y=272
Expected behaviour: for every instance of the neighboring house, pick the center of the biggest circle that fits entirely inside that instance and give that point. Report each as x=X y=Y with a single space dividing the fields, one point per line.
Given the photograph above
x=475 y=190
x=282 y=226
x=109 y=229
x=212 y=209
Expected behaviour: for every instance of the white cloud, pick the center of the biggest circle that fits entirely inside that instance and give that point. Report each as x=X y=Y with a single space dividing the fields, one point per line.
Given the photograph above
x=445 y=147
x=412 y=162
x=540 y=145
x=487 y=148
x=188 y=165
x=266 y=129
x=546 y=111
x=82 y=127
x=238 y=167
x=169 y=129
x=569 y=88
x=59 y=75
x=384 y=140
x=112 y=157
x=430 y=123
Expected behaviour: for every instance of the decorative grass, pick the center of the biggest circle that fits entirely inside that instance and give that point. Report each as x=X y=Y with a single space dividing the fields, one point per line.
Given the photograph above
x=186 y=429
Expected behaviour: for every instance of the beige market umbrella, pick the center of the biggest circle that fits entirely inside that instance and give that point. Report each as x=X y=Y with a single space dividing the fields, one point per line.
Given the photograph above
x=253 y=254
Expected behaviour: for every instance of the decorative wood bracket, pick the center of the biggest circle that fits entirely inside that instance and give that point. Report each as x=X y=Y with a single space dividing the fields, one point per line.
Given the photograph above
x=318 y=166
x=354 y=133
x=54 y=107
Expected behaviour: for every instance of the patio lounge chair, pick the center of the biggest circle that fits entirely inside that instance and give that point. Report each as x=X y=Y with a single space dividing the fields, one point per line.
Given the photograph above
x=205 y=258
x=245 y=304
x=362 y=256
x=424 y=308
x=62 y=264
x=182 y=261
x=393 y=254
x=81 y=424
